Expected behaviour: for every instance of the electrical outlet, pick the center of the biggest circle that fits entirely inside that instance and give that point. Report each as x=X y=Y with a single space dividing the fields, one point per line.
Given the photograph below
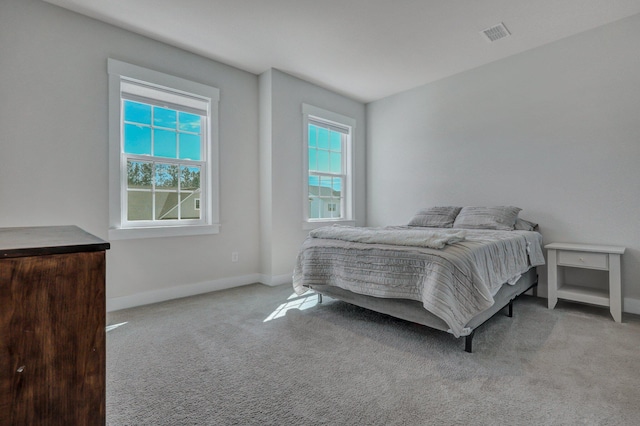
x=234 y=256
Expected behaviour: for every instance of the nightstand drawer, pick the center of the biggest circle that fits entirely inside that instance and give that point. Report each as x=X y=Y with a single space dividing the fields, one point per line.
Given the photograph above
x=582 y=259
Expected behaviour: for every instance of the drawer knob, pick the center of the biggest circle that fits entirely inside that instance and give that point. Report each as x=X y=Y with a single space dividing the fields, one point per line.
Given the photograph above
x=581 y=259
x=20 y=369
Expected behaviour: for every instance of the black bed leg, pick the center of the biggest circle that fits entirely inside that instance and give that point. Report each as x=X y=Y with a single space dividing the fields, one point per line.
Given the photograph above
x=511 y=309
x=468 y=340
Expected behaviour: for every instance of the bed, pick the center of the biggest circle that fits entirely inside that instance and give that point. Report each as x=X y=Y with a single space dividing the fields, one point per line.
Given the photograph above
x=452 y=277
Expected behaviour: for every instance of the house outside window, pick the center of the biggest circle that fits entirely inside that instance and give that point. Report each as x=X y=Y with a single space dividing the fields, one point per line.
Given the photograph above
x=163 y=154
x=328 y=166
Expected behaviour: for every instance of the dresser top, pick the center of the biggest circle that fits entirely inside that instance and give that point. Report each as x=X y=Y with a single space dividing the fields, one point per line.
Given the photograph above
x=42 y=240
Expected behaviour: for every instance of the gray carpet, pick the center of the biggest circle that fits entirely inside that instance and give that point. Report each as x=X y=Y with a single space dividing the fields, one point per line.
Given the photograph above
x=213 y=360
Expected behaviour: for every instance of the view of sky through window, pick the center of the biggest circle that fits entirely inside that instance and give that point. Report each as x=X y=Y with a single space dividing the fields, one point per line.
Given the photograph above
x=161 y=132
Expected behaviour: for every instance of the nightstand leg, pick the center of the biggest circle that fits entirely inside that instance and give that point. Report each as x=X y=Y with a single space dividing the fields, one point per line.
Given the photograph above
x=552 y=281
x=615 y=287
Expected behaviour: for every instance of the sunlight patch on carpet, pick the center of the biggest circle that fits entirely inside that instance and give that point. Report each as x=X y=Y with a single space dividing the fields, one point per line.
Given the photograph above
x=114 y=326
x=294 y=302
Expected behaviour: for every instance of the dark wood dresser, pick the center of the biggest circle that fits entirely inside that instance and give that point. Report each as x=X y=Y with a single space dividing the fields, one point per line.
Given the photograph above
x=52 y=326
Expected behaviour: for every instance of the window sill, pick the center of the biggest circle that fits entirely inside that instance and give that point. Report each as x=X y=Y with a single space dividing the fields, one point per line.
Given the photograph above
x=165 y=231
x=318 y=224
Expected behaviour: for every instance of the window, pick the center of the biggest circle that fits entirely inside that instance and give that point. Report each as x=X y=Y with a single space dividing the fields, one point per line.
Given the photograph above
x=163 y=154
x=328 y=166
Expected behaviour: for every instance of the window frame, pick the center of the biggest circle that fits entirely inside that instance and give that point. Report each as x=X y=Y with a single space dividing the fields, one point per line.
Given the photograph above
x=315 y=114
x=122 y=74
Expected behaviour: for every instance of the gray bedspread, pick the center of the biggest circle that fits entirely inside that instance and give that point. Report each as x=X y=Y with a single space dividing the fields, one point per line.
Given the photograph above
x=455 y=283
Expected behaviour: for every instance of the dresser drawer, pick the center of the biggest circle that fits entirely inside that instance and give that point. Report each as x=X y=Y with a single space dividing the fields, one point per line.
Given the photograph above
x=582 y=259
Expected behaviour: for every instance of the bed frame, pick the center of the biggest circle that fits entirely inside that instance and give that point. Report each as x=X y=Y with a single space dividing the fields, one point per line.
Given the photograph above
x=411 y=310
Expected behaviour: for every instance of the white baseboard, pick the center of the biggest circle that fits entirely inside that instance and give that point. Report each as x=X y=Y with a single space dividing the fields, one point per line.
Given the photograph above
x=155 y=296
x=273 y=280
x=631 y=306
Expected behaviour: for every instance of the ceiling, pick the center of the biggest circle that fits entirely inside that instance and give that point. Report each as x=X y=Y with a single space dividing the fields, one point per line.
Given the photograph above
x=365 y=49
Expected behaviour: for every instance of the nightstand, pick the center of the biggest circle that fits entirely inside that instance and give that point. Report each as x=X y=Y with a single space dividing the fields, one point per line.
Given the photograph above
x=605 y=258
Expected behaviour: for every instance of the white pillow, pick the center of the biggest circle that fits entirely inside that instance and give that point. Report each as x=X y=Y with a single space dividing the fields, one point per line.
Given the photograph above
x=500 y=217
x=435 y=217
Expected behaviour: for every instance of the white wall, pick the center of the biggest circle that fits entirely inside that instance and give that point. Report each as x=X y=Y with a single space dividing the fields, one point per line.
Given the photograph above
x=281 y=155
x=554 y=130
x=53 y=148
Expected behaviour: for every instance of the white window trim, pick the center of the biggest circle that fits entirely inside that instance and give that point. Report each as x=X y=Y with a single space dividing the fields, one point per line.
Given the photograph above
x=342 y=121
x=117 y=72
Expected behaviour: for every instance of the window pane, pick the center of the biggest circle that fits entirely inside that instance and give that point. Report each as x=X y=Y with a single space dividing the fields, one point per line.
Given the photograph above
x=166 y=177
x=163 y=117
x=137 y=139
x=325 y=205
x=164 y=143
x=330 y=207
x=323 y=161
x=313 y=159
x=313 y=136
x=314 y=204
x=189 y=178
x=325 y=186
x=189 y=147
x=166 y=205
x=323 y=138
x=137 y=112
x=336 y=186
x=139 y=205
x=139 y=174
x=336 y=162
x=335 y=203
x=189 y=122
x=335 y=141
x=314 y=201
x=188 y=205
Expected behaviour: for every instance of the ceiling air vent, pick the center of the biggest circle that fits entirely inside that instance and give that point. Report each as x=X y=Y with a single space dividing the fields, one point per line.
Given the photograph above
x=496 y=32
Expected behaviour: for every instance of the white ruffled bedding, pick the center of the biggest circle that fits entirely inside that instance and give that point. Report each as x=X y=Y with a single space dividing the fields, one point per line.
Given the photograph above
x=455 y=282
